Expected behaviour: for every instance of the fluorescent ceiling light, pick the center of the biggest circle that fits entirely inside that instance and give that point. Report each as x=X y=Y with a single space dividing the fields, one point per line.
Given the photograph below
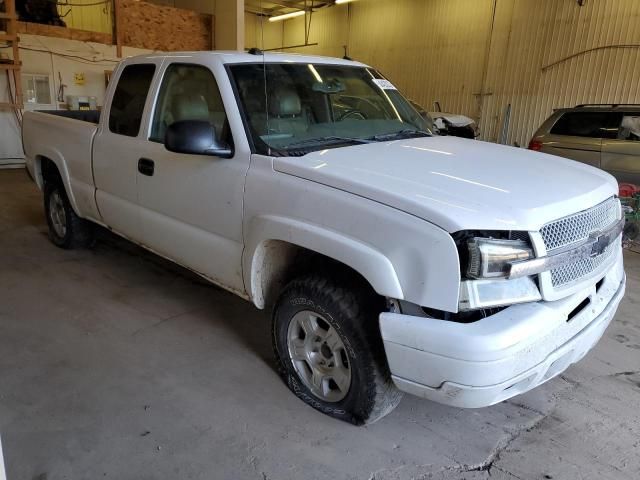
x=286 y=16
x=339 y=2
x=315 y=73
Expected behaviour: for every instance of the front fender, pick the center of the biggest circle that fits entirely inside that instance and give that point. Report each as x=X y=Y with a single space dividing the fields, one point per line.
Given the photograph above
x=368 y=262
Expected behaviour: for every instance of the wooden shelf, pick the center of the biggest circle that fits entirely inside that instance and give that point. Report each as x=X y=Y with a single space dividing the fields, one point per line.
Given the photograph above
x=10 y=19
x=10 y=106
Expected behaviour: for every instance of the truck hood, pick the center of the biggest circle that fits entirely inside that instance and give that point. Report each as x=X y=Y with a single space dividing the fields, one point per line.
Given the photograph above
x=458 y=184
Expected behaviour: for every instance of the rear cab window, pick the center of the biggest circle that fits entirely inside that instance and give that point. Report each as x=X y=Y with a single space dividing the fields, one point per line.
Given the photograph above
x=129 y=98
x=588 y=124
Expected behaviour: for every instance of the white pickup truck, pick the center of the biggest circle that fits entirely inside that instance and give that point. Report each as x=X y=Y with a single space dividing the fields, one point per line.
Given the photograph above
x=392 y=260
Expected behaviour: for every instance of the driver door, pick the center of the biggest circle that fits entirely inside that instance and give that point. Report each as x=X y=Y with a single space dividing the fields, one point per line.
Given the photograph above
x=191 y=204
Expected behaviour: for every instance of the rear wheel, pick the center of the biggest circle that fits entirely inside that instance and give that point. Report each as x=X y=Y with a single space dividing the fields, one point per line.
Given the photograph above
x=329 y=350
x=66 y=229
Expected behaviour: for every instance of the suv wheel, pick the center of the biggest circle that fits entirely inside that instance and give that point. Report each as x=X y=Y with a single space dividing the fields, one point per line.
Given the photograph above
x=329 y=351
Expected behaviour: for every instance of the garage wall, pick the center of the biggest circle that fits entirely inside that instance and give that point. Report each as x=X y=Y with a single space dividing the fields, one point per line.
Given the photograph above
x=478 y=56
x=256 y=30
x=59 y=59
x=556 y=54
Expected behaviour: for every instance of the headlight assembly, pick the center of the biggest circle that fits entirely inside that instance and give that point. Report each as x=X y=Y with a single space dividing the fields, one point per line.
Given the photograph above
x=489 y=258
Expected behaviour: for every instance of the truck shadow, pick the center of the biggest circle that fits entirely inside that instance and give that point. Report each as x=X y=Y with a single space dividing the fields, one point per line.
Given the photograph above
x=249 y=326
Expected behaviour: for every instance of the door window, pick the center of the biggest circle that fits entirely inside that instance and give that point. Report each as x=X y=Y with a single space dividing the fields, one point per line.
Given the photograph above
x=630 y=127
x=588 y=124
x=189 y=92
x=129 y=98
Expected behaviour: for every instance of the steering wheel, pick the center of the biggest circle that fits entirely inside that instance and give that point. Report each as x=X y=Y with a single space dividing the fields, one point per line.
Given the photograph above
x=352 y=113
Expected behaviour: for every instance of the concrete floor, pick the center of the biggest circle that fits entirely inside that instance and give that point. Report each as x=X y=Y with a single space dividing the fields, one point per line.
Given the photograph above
x=115 y=364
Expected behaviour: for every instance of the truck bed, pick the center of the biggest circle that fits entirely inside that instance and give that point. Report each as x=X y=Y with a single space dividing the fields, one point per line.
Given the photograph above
x=65 y=138
x=91 y=116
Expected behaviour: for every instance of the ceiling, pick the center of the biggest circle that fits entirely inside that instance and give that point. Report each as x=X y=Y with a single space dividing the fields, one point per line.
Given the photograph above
x=271 y=8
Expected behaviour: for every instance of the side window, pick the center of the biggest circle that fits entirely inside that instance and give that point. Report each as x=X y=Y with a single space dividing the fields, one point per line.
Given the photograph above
x=129 y=98
x=630 y=127
x=588 y=124
x=189 y=92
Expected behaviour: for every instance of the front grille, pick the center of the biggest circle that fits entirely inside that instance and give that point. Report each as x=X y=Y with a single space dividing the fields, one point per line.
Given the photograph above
x=568 y=273
x=577 y=227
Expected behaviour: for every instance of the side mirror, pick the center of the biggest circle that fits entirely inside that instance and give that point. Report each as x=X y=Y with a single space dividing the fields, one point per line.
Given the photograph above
x=195 y=137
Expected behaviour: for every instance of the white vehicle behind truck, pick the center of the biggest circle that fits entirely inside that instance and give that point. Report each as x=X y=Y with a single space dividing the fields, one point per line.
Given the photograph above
x=393 y=261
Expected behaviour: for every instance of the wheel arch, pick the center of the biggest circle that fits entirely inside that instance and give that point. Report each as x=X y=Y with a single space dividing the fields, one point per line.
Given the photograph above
x=280 y=248
x=52 y=167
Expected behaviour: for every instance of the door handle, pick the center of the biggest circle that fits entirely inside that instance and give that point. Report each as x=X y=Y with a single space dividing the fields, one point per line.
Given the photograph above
x=146 y=167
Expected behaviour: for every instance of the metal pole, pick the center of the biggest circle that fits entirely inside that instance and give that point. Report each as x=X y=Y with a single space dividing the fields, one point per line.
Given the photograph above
x=504 y=132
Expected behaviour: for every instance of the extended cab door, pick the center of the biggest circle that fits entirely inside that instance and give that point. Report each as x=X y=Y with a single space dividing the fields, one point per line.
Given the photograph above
x=191 y=205
x=621 y=155
x=116 y=147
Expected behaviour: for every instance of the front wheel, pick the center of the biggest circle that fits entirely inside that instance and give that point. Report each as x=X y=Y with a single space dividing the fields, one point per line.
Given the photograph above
x=327 y=343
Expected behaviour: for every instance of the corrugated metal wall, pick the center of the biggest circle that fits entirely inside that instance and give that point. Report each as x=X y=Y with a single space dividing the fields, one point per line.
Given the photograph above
x=478 y=56
x=431 y=49
x=530 y=67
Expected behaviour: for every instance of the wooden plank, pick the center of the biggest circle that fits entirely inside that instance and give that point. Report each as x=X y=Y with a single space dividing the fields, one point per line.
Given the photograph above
x=9 y=106
x=118 y=27
x=158 y=27
x=10 y=7
x=11 y=36
x=7 y=16
x=17 y=81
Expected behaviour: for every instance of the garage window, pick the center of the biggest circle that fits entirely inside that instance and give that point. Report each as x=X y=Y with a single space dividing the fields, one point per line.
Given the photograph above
x=588 y=124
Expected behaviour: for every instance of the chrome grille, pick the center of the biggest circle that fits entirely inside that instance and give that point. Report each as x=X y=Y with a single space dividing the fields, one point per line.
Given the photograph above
x=577 y=227
x=568 y=273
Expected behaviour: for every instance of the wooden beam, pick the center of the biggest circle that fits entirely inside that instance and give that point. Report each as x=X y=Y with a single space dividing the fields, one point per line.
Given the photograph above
x=117 y=27
x=11 y=36
x=9 y=106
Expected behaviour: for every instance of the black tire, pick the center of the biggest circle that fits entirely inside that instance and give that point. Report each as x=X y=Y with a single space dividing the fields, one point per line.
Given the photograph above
x=352 y=312
x=78 y=233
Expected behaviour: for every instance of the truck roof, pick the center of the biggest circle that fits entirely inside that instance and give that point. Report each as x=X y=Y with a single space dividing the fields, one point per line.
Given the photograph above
x=231 y=56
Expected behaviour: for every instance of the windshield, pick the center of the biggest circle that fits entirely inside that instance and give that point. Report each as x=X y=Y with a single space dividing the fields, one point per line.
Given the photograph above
x=316 y=106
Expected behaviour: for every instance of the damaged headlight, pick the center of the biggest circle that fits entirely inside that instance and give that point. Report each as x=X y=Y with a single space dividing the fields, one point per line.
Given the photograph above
x=490 y=258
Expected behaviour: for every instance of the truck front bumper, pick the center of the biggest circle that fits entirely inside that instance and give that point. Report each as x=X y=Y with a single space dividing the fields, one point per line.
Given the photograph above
x=482 y=363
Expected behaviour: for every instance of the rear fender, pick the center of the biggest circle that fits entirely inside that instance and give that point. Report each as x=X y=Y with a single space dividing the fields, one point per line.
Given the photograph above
x=56 y=157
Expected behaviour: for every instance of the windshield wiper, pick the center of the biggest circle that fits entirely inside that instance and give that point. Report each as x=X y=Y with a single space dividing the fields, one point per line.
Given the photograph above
x=406 y=133
x=329 y=139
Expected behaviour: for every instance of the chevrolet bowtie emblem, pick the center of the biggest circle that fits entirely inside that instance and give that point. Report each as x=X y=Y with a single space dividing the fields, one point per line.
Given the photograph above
x=600 y=245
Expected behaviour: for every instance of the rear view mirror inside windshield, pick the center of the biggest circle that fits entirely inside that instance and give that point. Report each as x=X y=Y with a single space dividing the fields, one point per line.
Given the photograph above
x=330 y=86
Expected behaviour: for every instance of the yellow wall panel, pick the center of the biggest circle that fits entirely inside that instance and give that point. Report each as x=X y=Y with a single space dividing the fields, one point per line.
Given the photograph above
x=96 y=18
